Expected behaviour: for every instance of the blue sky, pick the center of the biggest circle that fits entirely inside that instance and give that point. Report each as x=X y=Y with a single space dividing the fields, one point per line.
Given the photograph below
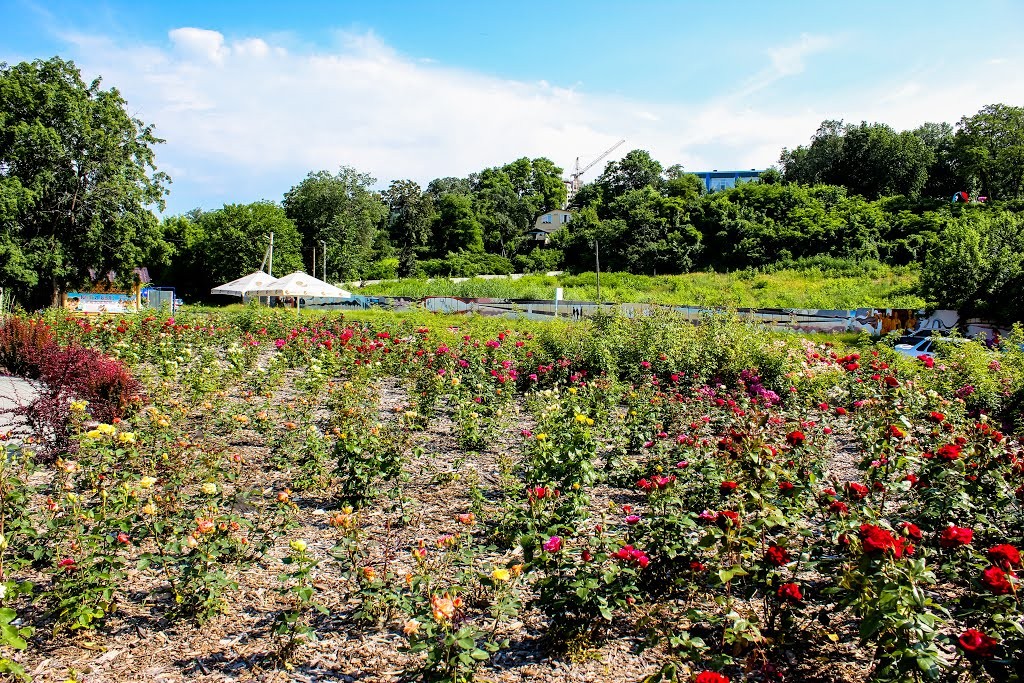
x=251 y=96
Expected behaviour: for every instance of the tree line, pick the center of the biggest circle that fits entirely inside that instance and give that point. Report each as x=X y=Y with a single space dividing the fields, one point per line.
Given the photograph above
x=79 y=190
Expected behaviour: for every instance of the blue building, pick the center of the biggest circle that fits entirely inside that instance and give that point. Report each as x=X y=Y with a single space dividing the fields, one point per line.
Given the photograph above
x=723 y=180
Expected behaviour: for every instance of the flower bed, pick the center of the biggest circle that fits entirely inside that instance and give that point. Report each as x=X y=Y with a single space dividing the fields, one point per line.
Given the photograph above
x=449 y=499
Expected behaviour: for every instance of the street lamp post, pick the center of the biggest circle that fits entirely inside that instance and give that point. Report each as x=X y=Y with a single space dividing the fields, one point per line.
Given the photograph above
x=324 y=245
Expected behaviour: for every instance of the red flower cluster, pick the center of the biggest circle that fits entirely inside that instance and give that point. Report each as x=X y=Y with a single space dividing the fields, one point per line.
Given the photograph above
x=857 y=491
x=710 y=677
x=727 y=517
x=791 y=592
x=977 y=644
x=879 y=541
x=777 y=555
x=955 y=536
x=1004 y=556
x=997 y=580
x=795 y=438
x=912 y=531
x=655 y=483
x=630 y=554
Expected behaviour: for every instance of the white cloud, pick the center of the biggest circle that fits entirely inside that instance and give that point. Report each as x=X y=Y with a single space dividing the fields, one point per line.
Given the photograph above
x=788 y=60
x=248 y=117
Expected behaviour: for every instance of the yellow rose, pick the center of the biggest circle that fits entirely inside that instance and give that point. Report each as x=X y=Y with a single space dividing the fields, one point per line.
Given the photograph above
x=106 y=430
x=210 y=489
x=298 y=546
x=126 y=437
x=93 y=434
x=147 y=482
x=149 y=509
x=501 y=575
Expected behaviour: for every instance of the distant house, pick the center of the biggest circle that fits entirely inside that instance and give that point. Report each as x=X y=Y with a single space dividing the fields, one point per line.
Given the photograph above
x=722 y=180
x=549 y=222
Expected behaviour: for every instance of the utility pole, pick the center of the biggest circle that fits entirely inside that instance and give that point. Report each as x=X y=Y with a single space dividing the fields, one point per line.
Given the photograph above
x=324 y=245
x=597 y=261
x=270 y=268
x=314 y=261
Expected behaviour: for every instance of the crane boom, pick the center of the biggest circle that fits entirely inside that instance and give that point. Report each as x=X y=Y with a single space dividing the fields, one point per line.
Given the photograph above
x=608 y=151
x=573 y=184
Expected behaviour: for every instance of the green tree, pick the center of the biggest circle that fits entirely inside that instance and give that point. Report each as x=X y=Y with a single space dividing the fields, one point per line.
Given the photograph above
x=77 y=181
x=944 y=176
x=341 y=211
x=683 y=185
x=409 y=221
x=989 y=147
x=871 y=160
x=456 y=227
x=449 y=185
x=634 y=171
x=977 y=266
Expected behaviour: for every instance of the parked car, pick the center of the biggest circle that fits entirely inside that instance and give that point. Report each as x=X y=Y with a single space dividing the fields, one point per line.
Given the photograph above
x=923 y=344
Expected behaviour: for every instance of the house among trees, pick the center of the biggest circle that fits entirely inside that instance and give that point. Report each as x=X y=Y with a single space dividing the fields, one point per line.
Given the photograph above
x=722 y=180
x=548 y=223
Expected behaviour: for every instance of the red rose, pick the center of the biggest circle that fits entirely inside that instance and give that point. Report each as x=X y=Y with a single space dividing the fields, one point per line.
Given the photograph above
x=912 y=531
x=997 y=580
x=840 y=411
x=790 y=591
x=1004 y=555
x=948 y=452
x=727 y=517
x=857 y=491
x=977 y=644
x=786 y=487
x=838 y=507
x=895 y=432
x=710 y=677
x=879 y=541
x=955 y=536
x=697 y=567
x=891 y=381
x=936 y=417
x=795 y=438
x=777 y=555
x=727 y=487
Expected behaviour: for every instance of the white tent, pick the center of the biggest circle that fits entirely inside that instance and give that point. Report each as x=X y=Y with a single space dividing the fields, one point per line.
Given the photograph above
x=244 y=285
x=300 y=285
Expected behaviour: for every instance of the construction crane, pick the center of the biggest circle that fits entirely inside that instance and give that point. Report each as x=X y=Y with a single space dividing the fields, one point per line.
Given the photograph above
x=572 y=185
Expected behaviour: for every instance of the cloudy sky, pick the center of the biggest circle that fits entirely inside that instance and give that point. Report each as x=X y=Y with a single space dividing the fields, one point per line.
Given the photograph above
x=251 y=96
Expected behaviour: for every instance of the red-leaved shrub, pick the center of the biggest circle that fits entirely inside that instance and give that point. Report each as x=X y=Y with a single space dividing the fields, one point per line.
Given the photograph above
x=71 y=373
x=22 y=344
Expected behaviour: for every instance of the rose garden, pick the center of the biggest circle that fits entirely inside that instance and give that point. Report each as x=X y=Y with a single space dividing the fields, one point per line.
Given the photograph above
x=253 y=495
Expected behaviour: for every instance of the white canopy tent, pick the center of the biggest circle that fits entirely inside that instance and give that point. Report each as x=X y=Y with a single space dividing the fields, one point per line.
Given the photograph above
x=300 y=285
x=244 y=286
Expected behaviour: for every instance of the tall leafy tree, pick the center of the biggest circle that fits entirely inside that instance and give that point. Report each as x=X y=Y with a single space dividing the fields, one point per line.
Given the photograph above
x=944 y=174
x=872 y=160
x=990 y=148
x=634 y=171
x=78 y=181
x=342 y=211
x=977 y=267
x=409 y=221
x=214 y=247
x=456 y=227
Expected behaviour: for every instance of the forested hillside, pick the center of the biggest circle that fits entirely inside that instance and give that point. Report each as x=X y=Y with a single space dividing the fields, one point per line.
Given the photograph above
x=79 y=190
